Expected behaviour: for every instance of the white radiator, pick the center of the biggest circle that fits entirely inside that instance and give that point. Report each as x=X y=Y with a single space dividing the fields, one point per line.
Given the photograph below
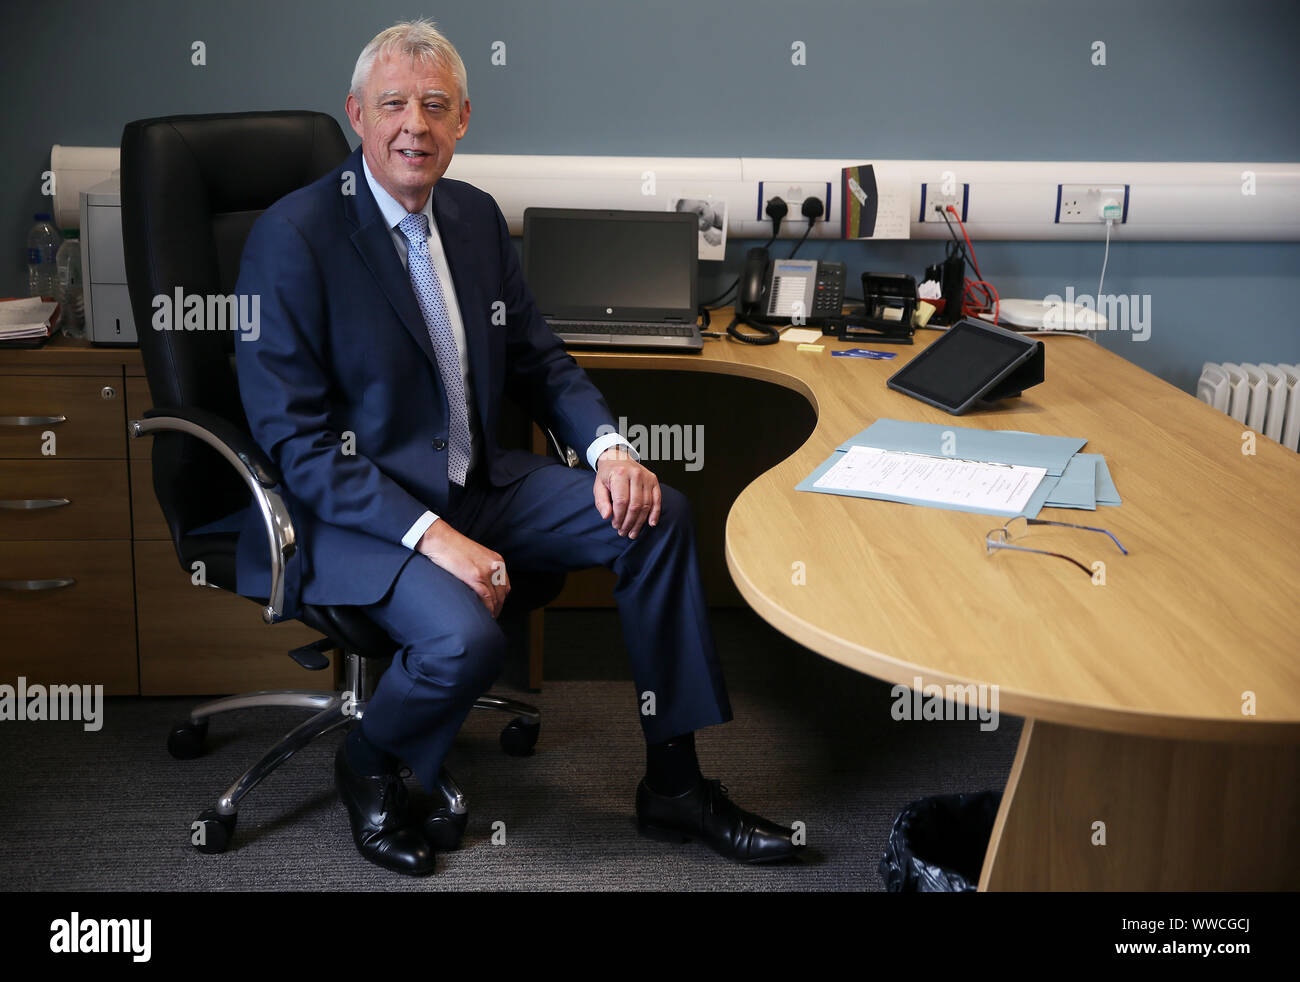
x=1265 y=397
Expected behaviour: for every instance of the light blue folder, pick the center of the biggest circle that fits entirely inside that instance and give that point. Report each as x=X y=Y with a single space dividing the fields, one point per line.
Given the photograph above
x=1077 y=486
x=964 y=443
x=1086 y=483
x=1031 y=509
x=1107 y=494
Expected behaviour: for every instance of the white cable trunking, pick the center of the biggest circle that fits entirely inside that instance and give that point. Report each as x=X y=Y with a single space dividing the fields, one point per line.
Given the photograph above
x=1006 y=199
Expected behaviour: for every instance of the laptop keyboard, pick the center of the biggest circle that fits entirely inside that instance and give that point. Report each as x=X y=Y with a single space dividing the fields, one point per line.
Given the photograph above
x=625 y=328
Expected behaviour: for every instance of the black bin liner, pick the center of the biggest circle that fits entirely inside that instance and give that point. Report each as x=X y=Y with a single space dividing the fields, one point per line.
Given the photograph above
x=937 y=844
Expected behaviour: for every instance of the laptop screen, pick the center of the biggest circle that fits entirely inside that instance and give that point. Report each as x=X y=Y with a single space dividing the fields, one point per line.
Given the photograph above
x=611 y=265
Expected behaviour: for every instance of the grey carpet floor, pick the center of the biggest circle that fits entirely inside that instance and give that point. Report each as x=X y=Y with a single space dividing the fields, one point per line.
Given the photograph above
x=811 y=742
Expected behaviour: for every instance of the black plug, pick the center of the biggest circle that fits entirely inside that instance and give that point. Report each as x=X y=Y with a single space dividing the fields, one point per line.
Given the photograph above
x=776 y=210
x=812 y=209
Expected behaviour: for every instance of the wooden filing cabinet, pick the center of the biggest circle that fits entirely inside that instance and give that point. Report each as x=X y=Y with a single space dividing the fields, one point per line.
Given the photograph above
x=90 y=587
x=67 y=599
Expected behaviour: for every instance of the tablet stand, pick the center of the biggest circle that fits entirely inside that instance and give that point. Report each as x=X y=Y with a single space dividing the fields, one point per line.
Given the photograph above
x=1023 y=377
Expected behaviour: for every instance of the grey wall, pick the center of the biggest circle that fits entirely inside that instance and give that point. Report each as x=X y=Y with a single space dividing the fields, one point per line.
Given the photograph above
x=1008 y=80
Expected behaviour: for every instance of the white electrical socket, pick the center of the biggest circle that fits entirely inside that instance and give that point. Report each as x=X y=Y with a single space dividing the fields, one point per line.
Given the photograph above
x=793 y=194
x=933 y=195
x=1088 y=204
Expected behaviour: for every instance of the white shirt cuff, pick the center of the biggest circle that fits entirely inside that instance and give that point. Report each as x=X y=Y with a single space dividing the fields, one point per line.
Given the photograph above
x=603 y=443
x=413 y=535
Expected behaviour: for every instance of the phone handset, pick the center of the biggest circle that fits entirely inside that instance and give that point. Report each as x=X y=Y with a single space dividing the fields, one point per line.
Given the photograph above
x=754 y=282
x=782 y=291
x=751 y=300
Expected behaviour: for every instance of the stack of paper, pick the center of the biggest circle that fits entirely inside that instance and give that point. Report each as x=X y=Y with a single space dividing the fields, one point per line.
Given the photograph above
x=27 y=319
x=997 y=472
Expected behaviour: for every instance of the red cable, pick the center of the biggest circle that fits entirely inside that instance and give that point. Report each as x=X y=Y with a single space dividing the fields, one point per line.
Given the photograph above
x=990 y=294
x=969 y=248
x=991 y=299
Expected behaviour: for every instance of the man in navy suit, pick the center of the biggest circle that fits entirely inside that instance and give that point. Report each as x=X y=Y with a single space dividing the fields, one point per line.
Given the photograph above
x=394 y=318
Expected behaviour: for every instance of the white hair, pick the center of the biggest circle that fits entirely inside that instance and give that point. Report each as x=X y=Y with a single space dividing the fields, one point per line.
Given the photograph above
x=417 y=39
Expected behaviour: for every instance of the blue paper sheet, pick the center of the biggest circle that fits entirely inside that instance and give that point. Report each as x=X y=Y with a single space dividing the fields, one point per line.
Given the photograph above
x=987 y=446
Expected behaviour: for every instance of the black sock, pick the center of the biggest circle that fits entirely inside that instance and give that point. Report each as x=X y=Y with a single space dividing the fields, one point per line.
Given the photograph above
x=671 y=768
x=365 y=757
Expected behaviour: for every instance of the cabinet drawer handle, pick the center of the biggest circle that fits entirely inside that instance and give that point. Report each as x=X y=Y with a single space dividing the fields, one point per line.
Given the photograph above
x=55 y=584
x=33 y=504
x=32 y=420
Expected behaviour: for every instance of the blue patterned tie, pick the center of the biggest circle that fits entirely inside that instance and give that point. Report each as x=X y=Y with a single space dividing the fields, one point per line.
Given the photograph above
x=429 y=292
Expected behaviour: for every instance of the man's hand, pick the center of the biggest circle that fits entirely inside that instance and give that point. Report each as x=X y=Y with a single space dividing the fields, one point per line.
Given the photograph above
x=625 y=492
x=478 y=567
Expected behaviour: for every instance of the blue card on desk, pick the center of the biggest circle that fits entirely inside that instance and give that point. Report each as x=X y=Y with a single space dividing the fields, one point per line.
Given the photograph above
x=966 y=443
x=865 y=353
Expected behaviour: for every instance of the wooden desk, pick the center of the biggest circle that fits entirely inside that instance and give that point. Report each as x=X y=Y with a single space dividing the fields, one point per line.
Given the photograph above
x=1133 y=690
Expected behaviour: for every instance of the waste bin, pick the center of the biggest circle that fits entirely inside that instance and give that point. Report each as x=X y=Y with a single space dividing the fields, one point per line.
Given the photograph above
x=937 y=844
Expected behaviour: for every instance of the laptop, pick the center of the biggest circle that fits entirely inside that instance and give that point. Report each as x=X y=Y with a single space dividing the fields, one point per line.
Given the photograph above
x=615 y=279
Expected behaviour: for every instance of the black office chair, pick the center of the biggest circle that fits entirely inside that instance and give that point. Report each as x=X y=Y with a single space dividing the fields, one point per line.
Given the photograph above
x=192 y=186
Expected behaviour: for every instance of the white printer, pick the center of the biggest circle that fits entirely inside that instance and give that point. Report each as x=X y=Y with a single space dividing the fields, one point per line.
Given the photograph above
x=108 y=306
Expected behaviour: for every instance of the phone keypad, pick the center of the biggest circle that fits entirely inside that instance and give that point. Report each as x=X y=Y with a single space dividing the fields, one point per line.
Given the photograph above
x=828 y=297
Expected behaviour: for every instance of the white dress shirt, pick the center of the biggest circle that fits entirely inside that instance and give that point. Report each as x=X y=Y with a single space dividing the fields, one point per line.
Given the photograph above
x=393 y=212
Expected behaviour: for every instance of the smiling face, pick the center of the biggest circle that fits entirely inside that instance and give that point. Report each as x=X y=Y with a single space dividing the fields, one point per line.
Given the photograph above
x=409 y=117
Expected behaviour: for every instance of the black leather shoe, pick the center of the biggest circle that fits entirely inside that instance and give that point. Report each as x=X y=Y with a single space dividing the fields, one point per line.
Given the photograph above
x=706 y=813
x=378 y=807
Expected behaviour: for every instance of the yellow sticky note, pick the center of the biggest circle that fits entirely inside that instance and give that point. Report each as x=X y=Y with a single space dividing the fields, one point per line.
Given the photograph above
x=814 y=348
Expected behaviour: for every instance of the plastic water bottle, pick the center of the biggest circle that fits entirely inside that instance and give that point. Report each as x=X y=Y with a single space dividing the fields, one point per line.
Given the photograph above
x=43 y=243
x=72 y=319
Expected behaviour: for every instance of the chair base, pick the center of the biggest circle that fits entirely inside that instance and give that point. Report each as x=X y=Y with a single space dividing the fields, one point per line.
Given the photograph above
x=214 y=829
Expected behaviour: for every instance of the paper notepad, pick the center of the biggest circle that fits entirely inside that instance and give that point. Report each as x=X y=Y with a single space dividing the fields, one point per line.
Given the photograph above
x=942 y=482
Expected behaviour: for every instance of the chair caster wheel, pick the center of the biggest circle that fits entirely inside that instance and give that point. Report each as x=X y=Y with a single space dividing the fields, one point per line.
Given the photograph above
x=213 y=832
x=519 y=737
x=445 y=829
x=185 y=741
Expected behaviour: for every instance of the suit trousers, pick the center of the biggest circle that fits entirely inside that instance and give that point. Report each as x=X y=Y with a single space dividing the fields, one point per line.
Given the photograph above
x=452 y=650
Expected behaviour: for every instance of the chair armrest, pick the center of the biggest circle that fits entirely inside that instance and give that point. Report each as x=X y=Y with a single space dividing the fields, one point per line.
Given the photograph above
x=249 y=454
x=258 y=472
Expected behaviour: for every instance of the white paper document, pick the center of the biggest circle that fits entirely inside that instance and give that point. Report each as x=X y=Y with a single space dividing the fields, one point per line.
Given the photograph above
x=939 y=481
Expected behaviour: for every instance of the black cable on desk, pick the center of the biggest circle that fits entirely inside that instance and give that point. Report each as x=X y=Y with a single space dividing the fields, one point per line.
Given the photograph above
x=767 y=333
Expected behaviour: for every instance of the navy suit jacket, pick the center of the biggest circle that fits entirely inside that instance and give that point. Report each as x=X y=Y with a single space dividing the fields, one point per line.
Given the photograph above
x=343 y=348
